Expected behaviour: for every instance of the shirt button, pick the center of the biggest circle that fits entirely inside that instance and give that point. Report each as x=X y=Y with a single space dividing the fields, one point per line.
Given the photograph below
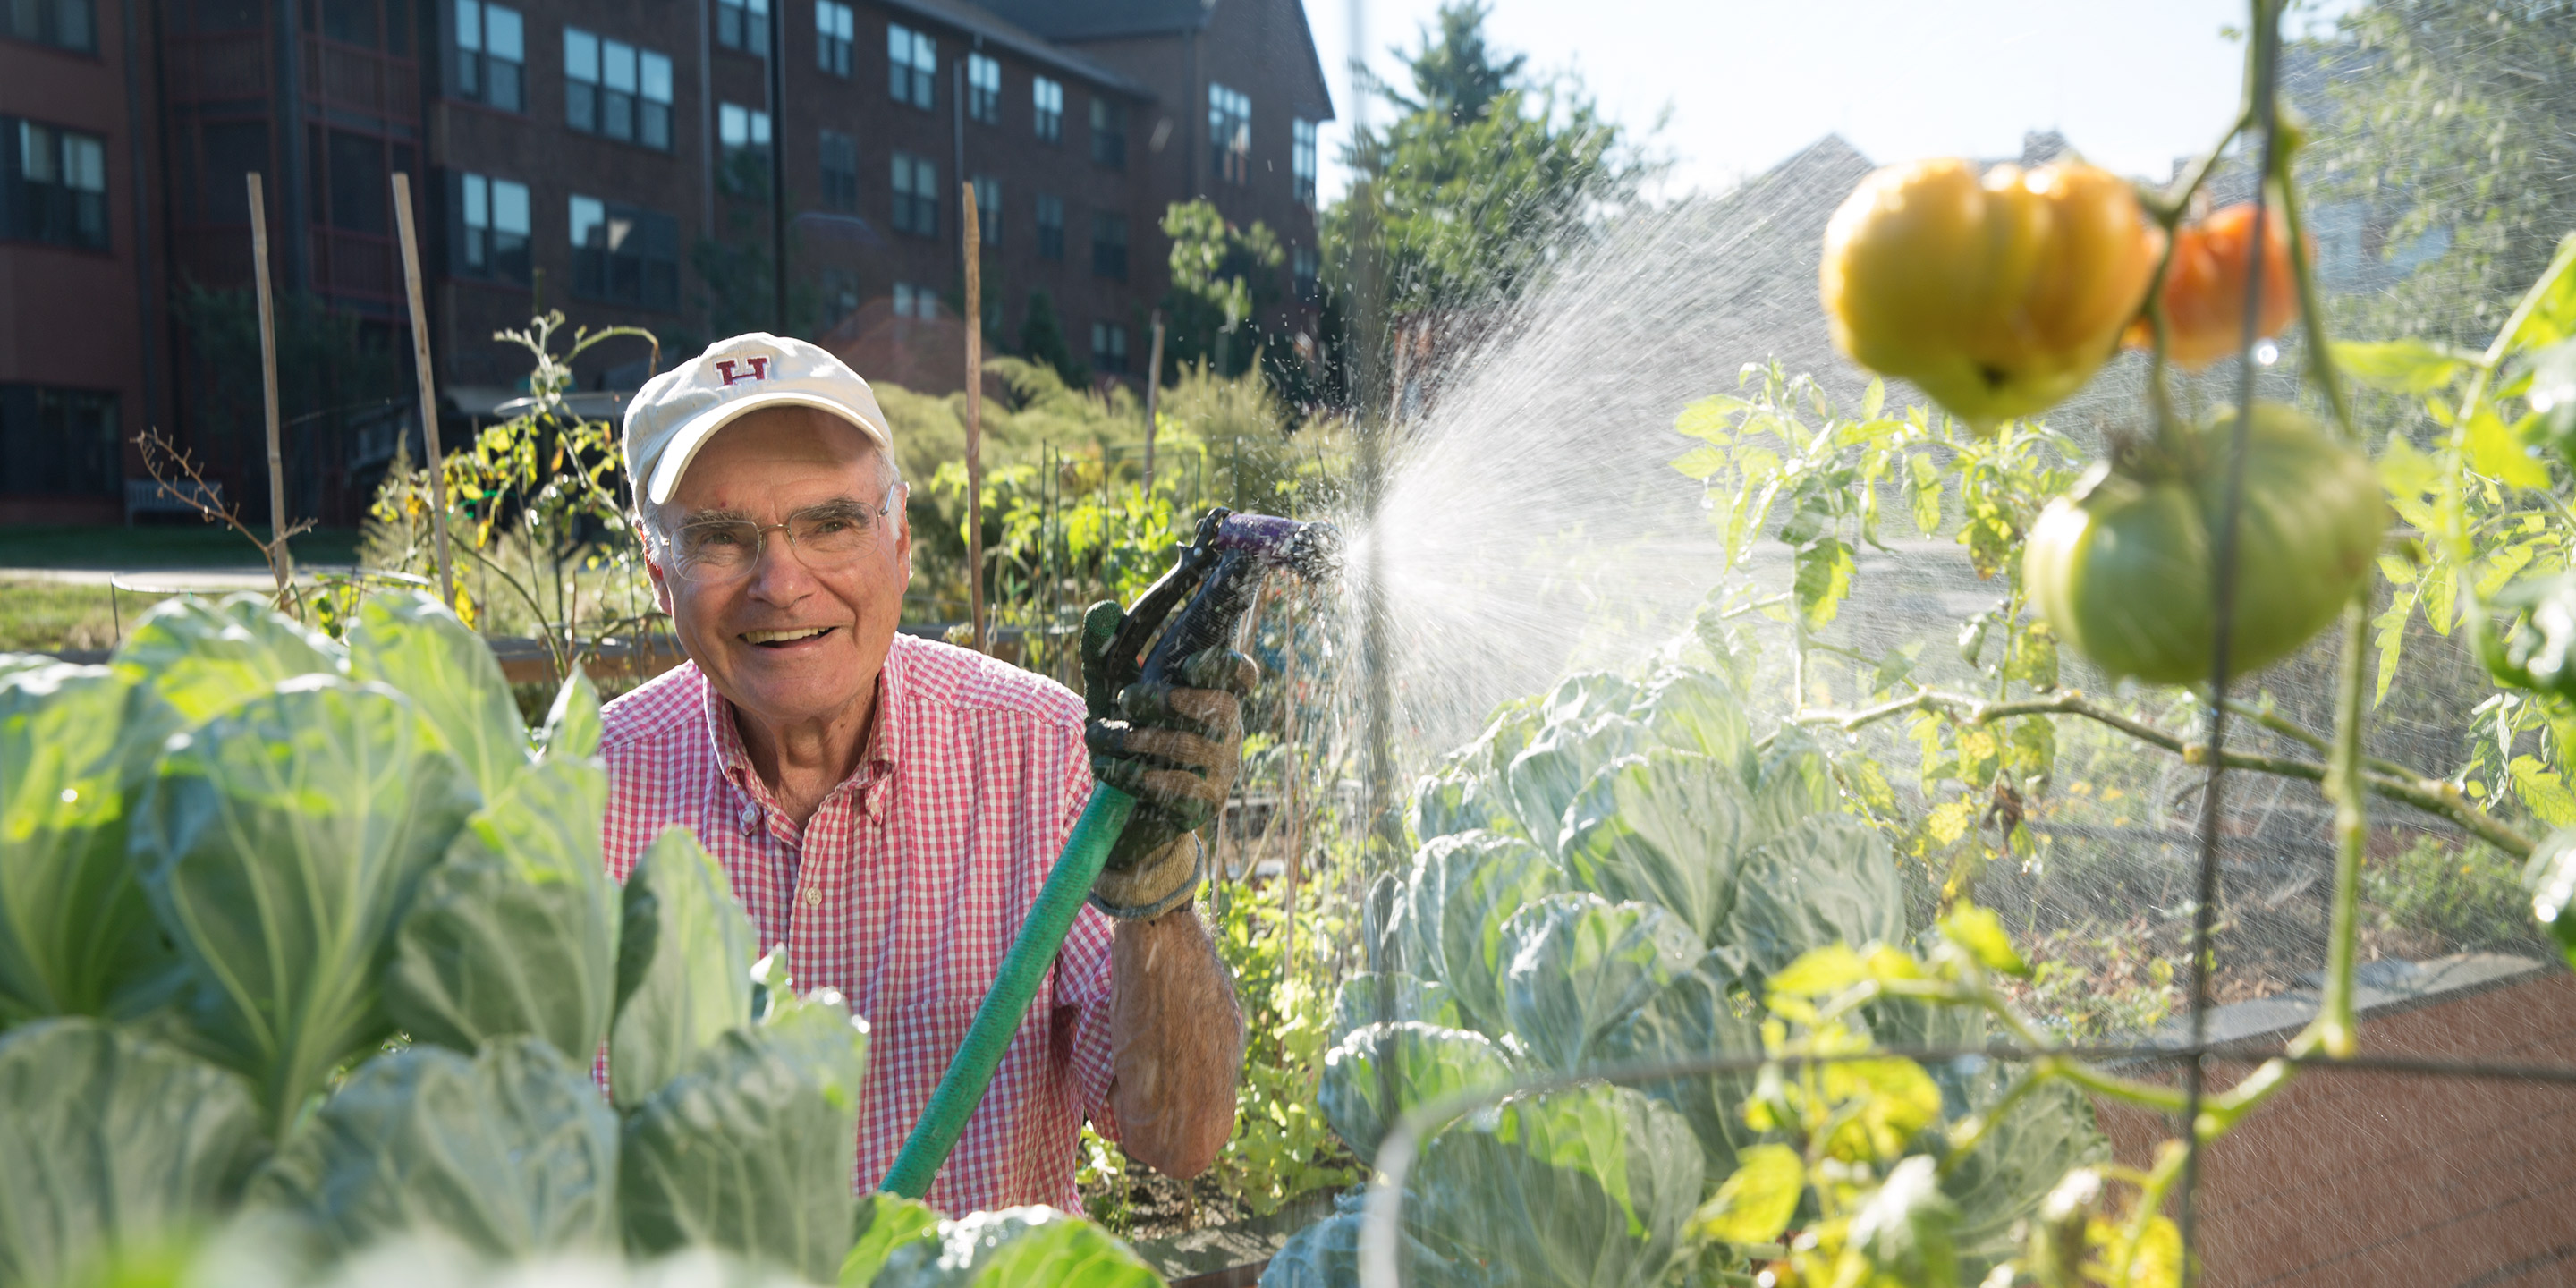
x=813 y=896
x=751 y=820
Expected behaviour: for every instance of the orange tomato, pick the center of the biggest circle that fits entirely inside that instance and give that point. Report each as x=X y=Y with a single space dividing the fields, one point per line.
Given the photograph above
x=2205 y=287
x=1998 y=294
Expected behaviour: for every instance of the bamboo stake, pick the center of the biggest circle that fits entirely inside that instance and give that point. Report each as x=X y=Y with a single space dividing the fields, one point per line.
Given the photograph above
x=428 y=389
x=280 y=562
x=1153 y=392
x=974 y=421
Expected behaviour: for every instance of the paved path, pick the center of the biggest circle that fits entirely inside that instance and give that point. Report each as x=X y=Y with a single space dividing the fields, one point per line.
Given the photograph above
x=165 y=580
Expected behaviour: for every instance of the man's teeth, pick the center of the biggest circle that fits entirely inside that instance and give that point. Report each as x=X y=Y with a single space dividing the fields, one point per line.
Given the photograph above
x=776 y=637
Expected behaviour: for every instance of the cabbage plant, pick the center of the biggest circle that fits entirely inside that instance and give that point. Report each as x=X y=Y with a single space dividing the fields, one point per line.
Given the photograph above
x=1616 y=873
x=307 y=952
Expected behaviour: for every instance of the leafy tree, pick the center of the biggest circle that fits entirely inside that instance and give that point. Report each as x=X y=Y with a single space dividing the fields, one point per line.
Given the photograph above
x=1224 y=279
x=1485 y=173
x=1042 y=341
x=2457 y=118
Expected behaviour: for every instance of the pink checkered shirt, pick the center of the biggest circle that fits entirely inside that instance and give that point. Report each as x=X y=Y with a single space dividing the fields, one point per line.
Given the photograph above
x=903 y=891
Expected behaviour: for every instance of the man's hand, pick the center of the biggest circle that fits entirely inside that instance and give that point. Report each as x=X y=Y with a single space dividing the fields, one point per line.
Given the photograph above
x=1175 y=748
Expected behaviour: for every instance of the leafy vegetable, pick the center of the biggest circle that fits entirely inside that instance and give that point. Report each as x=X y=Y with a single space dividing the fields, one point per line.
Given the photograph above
x=516 y=931
x=2045 y=1135
x=1794 y=784
x=1547 y=775
x=1369 y=997
x=76 y=935
x=572 y=723
x=279 y=844
x=1461 y=891
x=1588 y=1186
x=414 y=643
x=886 y=1224
x=683 y=956
x=751 y=1147
x=1828 y=879
x=1906 y=1230
x=1327 y=1255
x=1580 y=963
x=1428 y=1062
x=202 y=658
x=510 y=1152
x=110 y=1140
x=1666 y=828
x=1694 y=1018
x=1016 y=1246
x=1695 y=711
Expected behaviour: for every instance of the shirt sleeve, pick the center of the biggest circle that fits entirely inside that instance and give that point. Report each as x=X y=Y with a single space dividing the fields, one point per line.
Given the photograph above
x=1082 y=974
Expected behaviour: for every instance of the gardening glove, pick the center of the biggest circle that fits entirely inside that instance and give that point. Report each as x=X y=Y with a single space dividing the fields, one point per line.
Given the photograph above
x=1175 y=747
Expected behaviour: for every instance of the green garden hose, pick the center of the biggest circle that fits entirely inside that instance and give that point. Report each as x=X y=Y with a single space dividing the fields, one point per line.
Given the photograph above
x=1014 y=987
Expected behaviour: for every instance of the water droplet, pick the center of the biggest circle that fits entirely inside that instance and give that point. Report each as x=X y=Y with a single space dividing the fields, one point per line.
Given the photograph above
x=2266 y=353
x=70 y=794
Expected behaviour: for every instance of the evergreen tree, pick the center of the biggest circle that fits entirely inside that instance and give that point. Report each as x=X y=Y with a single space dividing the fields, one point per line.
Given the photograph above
x=1042 y=341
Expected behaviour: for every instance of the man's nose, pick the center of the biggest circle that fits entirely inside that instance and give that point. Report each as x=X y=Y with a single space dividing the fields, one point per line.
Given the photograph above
x=778 y=574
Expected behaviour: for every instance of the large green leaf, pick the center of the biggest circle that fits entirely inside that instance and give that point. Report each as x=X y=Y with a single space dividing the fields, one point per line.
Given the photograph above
x=202 y=658
x=1696 y=711
x=410 y=641
x=1580 y=963
x=1547 y=775
x=109 y=1141
x=684 y=956
x=1368 y=997
x=886 y=1224
x=1327 y=1255
x=572 y=723
x=1829 y=879
x=1792 y=784
x=1462 y=889
x=2045 y=1135
x=76 y=935
x=1665 y=828
x=1018 y=1246
x=1457 y=799
x=1695 y=1019
x=750 y=1148
x=1587 y=1187
x=510 y=1152
x=1423 y=1062
x=280 y=843
x=516 y=932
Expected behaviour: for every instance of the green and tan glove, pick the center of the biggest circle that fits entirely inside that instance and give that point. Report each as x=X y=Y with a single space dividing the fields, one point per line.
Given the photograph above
x=1175 y=748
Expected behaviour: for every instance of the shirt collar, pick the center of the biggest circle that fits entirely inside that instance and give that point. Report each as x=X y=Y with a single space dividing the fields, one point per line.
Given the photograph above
x=885 y=733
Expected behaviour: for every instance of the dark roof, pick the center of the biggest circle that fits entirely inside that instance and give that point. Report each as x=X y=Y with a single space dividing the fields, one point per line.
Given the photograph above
x=994 y=24
x=1104 y=19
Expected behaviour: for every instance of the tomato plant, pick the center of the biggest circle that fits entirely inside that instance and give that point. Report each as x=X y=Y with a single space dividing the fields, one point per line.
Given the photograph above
x=2205 y=286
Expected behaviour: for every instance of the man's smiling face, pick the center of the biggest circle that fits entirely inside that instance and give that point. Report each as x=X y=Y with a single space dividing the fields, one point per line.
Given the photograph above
x=788 y=643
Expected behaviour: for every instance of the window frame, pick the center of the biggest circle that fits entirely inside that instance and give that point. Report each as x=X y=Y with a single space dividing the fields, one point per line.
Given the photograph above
x=1229 y=134
x=1303 y=162
x=1108 y=132
x=488 y=247
x=912 y=67
x=596 y=279
x=1108 y=254
x=983 y=88
x=836 y=26
x=914 y=191
x=65 y=203
x=615 y=90
x=743 y=26
x=479 y=67
x=839 y=183
x=1046 y=109
x=1050 y=232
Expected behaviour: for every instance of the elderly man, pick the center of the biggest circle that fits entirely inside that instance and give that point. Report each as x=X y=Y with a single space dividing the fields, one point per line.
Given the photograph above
x=887 y=807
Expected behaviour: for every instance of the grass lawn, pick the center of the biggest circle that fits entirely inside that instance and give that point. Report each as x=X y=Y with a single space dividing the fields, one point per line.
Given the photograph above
x=157 y=545
x=45 y=617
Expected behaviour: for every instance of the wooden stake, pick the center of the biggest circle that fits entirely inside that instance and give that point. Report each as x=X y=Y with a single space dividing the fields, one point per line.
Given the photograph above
x=428 y=389
x=280 y=563
x=974 y=421
x=1153 y=388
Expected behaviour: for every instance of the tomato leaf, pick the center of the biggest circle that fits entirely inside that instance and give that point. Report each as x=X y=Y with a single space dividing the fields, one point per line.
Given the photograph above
x=1980 y=933
x=2401 y=366
x=1824 y=576
x=2495 y=452
x=1755 y=1204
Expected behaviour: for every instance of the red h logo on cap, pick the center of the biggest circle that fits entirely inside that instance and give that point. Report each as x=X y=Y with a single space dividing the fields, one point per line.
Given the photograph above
x=759 y=370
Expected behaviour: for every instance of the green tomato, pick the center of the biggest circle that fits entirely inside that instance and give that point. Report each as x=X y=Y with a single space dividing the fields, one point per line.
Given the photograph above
x=2122 y=567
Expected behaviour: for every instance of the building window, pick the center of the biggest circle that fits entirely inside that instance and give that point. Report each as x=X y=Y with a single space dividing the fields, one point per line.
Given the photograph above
x=1109 y=133
x=1109 y=347
x=64 y=24
x=744 y=132
x=624 y=255
x=1301 y=160
x=1229 y=134
x=611 y=88
x=1047 y=98
x=743 y=25
x=56 y=188
x=916 y=195
x=1302 y=265
x=59 y=442
x=1050 y=226
x=913 y=67
x=1109 y=244
x=491 y=54
x=840 y=166
x=840 y=290
x=495 y=220
x=836 y=28
x=984 y=89
x=988 y=209
x=919 y=302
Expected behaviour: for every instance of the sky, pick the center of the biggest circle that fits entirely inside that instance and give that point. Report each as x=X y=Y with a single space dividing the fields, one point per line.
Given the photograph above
x=1748 y=82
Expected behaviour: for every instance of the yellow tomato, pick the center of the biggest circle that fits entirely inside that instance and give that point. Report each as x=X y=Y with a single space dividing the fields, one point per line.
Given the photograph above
x=1999 y=294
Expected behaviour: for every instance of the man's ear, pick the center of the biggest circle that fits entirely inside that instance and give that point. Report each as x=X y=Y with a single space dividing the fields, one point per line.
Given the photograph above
x=660 y=578
x=903 y=535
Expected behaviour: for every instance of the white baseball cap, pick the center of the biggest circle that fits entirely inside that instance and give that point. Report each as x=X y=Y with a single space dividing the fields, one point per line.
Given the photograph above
x=675 y=413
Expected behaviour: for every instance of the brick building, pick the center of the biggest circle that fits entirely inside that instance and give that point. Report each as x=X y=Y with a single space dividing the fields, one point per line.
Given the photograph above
x=608 y=159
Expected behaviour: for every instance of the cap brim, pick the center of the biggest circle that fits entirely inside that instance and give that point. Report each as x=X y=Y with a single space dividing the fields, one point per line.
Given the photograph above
x=694 y=433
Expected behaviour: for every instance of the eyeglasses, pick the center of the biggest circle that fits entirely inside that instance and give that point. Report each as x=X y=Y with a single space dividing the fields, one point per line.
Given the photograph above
x=824 y=536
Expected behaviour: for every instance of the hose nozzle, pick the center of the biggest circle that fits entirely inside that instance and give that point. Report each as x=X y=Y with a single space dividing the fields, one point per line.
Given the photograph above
x=1311 y=550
